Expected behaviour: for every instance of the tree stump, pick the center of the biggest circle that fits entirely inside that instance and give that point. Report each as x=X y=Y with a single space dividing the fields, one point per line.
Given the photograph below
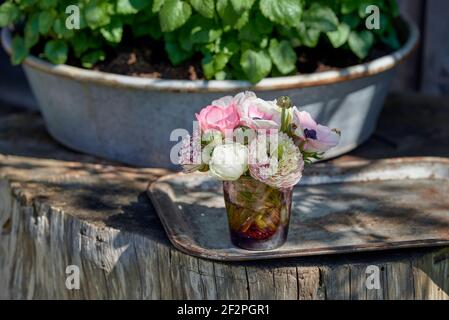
x=73 y=210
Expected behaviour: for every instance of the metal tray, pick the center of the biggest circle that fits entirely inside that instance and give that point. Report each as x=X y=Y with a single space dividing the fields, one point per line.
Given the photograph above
x=350 y=207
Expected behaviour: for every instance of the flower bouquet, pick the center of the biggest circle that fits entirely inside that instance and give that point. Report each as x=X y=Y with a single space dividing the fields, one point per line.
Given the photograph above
x=258 y=149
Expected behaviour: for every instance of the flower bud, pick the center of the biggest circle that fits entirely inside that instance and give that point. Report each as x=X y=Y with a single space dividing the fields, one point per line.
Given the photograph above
x=284 y=102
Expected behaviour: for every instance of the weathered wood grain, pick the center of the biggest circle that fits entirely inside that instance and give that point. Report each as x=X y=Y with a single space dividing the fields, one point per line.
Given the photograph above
x=261 y=283
x=400 y=281
x=207 y=278
x=337 y=282
x=285 y=283
x=310 y=286
x=191 y=278
x=165 y=280
x=358 y=282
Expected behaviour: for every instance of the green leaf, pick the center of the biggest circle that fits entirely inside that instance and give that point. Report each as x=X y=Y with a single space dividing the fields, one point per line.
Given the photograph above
x=31 y=31
x=91 y=58
x=340 y=36
x=46 y=20
x=56 y=51
x=256 y=65
x=157 y=5
x=291 y=34
x=185 y=38
x=250 y=33
x=175 y=53
x=205 y=33
x=391 y=39
x=199 y=30
x=230 y=17
x=25 y=4
x=47 y=4
x=308 y=37
x=174 y=13
x=352 y=20
x=144 y=24
x=283 y=55
x=131 y=6
x=320 y=18
x=214 y=64
x=83 y=41
x=60 y=29
x=221 y=75
x=284 y=12
x=205 y=7
x=221 y=59
x=113 y=32
x=361 y=43
x=19 y=51
x=334 y=5
x=242 y=5
x=97 y=14
x=8 y=14
x=154 y=29
x=349 y=6
x=262 y=24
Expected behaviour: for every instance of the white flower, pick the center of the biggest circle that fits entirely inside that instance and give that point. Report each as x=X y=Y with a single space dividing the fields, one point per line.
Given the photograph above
x=229 y=161
x=257 y=113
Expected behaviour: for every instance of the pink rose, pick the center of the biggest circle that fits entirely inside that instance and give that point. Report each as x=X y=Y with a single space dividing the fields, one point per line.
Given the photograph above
x=256 y=113
x=314 y=137
x=220 y=115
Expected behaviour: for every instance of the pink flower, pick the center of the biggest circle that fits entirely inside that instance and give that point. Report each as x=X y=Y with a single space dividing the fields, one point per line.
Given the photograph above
x=313 y=137
x=256 y=113
x=220 y=115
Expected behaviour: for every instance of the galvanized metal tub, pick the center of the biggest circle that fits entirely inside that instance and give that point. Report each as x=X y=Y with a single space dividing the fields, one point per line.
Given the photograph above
x=130 y=119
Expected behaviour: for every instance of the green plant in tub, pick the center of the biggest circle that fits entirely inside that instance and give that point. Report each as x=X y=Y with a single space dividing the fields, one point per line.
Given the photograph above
x=236 y=39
